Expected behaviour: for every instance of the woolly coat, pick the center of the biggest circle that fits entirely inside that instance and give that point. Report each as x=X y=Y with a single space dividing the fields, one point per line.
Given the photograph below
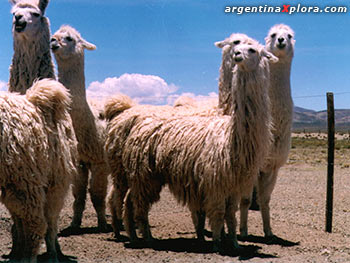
x=37 y=156
x=202 y=159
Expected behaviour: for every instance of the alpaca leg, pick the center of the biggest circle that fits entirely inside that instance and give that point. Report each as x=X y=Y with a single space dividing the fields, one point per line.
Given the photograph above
x=115 y=203
x=34 y=228
x=121 y=189
x=216 y=215
x=17 y=240
x=98 y=192
x=79 y=192
x=198 y=219
x=141 y=210
x=128 y=217
x=230 y=219
x=245 y=202
x=26 y=209
x=266 y=184
x=55 y=201
x=244 y=209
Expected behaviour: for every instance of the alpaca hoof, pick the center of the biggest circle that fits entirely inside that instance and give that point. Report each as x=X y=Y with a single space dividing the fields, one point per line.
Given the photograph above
x=269 y=234
x=104 y=228
x=120 y=238
x=243 y=233
x=11 y=256
x=65 y=258
x=120 y=225
x=271 y=239
x=216 y=246
x=74 y=226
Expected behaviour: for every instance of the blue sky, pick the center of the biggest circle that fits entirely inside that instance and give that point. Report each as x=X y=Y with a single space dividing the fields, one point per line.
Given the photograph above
x=168 y=44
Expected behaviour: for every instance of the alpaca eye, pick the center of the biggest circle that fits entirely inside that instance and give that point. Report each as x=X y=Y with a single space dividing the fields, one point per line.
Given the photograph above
x=236 y=42
x=290 y=36
x=36 y=14
x=273 y=35
x=252 y=50
x=69 y=39
x=53 y=40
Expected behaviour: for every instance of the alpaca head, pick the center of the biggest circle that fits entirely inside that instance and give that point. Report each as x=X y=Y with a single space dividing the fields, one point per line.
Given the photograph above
x=28 y=17
x=227 y=45
x=280 y=41
x=247 y=57
x=67 y=43
x=235 y=39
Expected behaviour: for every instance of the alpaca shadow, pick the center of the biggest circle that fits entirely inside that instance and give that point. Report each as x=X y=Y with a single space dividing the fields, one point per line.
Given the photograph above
x=191 y=245
x=119 y=239
x=70 y=231
x=274 y=240
x=43 y=258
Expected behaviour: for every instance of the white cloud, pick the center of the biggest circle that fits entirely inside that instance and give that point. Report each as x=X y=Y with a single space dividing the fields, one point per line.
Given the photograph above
x=141 y=88
x=3 y=86
x=199 y=98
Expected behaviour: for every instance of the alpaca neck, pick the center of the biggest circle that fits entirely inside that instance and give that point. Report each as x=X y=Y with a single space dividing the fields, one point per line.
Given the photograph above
x=71 y=75
x=280 y=92
x=225 y=81
x=250 y=117
x=31 y=60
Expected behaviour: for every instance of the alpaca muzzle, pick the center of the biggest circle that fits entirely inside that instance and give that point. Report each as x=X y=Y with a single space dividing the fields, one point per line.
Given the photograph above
x=19 y=24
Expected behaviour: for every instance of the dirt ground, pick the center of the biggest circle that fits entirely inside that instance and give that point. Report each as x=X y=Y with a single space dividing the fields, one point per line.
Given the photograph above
x=297 y=215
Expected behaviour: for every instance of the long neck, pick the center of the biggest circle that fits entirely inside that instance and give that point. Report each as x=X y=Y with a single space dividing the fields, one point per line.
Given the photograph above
x=280 y=91
x=31 y=60
x=225 y=81
x=71 y=75
x=280 y=77
x=251 y=119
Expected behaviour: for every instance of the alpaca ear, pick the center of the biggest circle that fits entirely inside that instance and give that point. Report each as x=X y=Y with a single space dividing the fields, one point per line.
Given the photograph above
x=267 y=39
x=42 y=5
x=87 y=45
x=13 y=2
x=221 y=44
x=271 y=57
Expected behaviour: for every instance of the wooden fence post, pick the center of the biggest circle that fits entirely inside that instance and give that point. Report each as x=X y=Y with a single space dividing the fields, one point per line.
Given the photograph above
x=330 y=168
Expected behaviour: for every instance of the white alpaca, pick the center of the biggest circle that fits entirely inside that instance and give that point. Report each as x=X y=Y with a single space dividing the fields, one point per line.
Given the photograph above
x=207 y=162
x=38 y=147
x=31 y=35
x=279 y=41
x=68 y=47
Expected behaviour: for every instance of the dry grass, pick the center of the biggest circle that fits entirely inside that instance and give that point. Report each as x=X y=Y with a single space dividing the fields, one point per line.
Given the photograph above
x=313 y=149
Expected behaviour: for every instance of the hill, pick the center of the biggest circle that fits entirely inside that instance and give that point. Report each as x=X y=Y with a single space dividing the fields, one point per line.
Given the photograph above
x=314 y=121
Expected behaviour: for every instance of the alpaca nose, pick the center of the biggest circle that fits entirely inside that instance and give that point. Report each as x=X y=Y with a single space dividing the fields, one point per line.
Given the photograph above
x=237 y=53
x=54 y=44
x=280 y=40
x=18 y=17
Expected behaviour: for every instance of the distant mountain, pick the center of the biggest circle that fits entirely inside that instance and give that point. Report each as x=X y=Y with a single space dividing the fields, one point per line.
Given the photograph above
x=314 y=121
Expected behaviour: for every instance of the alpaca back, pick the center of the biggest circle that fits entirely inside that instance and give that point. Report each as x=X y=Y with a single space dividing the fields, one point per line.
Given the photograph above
x=37 y=136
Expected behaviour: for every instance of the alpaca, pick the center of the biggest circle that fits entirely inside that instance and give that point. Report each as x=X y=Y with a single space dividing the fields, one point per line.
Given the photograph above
x=183 y=106
x=208 y=162
x=38 y=148
x=280 y=42
x=227 y=63
x=31 y=34
x=68 y=48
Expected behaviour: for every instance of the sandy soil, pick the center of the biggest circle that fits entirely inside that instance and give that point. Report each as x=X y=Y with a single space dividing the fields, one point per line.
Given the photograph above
x=297 y=214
